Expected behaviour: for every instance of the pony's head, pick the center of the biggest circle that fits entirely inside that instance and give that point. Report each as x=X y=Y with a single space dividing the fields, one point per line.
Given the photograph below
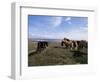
x=66 y=39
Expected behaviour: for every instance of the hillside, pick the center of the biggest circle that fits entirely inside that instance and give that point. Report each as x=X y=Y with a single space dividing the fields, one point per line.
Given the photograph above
x=54 y=54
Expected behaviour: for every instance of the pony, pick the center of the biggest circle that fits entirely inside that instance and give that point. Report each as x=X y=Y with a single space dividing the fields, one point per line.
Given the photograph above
x=41 y=45
x=70 y=44
x=82 y=44
x=74 y=44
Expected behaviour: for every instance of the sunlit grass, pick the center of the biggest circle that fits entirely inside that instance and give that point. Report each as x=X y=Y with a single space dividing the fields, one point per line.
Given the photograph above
x=54 y=54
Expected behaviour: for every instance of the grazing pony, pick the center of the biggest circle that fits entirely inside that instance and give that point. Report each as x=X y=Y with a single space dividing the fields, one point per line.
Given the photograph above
x=41 y=45
x=74 y=44
x=82 y=44
x=70 y=44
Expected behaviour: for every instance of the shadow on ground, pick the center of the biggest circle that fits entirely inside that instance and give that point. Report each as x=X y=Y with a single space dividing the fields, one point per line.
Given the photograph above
x=81 y=57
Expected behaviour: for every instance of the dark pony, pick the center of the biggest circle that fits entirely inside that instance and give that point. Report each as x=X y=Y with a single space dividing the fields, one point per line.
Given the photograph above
x=41 y=45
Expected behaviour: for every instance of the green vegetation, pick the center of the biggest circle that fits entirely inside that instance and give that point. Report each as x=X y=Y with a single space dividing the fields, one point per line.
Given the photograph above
x=54 y=54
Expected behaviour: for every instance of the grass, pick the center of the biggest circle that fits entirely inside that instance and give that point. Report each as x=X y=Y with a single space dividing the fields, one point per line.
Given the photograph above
x=54 y=54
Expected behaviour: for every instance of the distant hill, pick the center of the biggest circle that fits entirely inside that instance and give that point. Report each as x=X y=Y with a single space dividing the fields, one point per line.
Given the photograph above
x=44 y=39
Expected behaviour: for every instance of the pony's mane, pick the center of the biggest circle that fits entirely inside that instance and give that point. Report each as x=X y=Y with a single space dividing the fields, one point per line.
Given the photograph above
x=66 y=39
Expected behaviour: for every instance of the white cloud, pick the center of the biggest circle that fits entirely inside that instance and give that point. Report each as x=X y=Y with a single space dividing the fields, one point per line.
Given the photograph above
x=75 y=34
x=68 y=19
x=78 y=34
x=56 y=21
x=84 y=28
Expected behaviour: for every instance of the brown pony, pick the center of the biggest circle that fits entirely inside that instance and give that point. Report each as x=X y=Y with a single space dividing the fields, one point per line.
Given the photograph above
x=74 y=44
x=70 y=44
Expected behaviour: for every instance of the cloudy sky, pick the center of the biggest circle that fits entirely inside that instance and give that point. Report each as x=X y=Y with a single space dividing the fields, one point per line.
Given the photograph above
x=58 y=27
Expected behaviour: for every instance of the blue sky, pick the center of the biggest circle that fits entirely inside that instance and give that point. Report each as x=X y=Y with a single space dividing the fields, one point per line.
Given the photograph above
x=58 y=27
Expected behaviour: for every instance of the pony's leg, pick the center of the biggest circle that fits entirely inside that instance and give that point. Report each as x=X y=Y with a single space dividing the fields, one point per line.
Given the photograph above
x=72 y=46
x=76 y=46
